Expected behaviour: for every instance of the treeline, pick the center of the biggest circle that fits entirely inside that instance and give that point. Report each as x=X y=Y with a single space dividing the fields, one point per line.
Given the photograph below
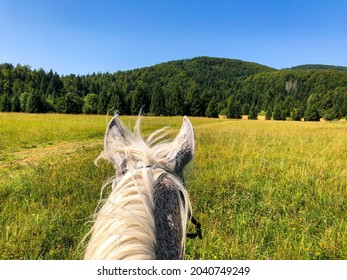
x=201 y=86
x=296 y=94
x=319 y=67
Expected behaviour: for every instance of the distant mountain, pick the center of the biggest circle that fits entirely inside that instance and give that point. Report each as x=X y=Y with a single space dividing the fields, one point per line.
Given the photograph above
x=319 y=67
x=209 y=73
x=218 y=66
x=211 y=77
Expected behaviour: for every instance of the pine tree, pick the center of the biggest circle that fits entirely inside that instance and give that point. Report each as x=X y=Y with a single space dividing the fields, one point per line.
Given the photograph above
x=237 y=112
x=253 y=112
x=176 y=102
x=158 y=107
x=230 y=109
x=295 y=115
x=23 y=101
x=301 y=111
x=312 y=113
x=5 y=103
x=284 y=114
x=117 y=102
x=268 y=114
x=196 y=108
x=212 y=109
x=102 y=103
x=332 y=113
x=33 y=104
x=186 y=108
x=277 y=113
x=245 y=109
x=234 y=109
x=55 y=85
x=49 y=103
x=15 y=104
x=139 y=101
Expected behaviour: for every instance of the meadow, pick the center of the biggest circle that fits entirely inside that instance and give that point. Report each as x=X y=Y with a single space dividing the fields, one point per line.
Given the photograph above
x=261 y=189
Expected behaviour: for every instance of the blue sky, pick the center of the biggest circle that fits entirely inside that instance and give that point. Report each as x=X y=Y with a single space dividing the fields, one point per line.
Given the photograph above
x=87 y=36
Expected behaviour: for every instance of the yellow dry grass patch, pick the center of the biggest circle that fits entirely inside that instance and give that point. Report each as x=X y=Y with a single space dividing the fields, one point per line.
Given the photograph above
x=34 y=156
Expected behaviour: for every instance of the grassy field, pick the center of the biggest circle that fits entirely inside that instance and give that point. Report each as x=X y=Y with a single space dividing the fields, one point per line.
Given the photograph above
x=261 y=189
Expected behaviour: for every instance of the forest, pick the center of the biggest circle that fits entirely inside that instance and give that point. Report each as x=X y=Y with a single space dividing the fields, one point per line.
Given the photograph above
x=202 y=86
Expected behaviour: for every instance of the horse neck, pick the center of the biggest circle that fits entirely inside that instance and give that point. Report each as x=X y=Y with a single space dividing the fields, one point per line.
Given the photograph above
x=143 y=218
x=170 y=213
x=125 y=227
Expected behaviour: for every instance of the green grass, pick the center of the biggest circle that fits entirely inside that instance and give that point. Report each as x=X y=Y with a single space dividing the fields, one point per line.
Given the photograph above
x=261 y=189
x=271 y=190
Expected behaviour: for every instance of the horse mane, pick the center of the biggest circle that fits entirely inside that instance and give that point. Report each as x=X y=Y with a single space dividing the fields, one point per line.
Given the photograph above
x=125 y=227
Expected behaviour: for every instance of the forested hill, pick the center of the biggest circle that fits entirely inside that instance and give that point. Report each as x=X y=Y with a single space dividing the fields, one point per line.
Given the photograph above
x=201 y=86
x=319 y=67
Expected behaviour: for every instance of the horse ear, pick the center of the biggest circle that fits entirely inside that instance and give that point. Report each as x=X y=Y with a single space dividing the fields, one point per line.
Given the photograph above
x=116 y=139
x=183 y=146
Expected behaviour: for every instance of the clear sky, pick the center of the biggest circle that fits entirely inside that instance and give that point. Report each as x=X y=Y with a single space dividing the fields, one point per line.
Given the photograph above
x=85 y=36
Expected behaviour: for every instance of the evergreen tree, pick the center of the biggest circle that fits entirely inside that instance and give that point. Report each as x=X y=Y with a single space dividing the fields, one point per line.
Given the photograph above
x=245 y=109
x=158 y=107
x=186 y=108
x=253 y=112
x=312 y=113
x=128 y=99
x=301 y=111
x=33 y=104
x=268 y=114
x=5 y=103
x=176 y=102
x=139 y=100
x=23 y=101
x=332 y=113
x=117 y=102
x=196 y=108
x=283 y=113
x=296 y=115
x=60 y=105
x=230 y=109
x=234 y=109
x=102 y=103
x=18 y=87
x=237 y=108
x=93 y=87
x=212 y=109
x=206 y=97
x=55 y=85
x=15 y=104
x=277 y=113
x=50 y=104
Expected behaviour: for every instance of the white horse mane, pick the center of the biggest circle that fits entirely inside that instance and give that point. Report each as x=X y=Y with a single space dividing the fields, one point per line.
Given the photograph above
x=125 y=227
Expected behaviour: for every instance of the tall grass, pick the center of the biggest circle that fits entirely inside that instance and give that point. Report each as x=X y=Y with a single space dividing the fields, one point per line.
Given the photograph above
x=261 y=189
x=271 y=190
